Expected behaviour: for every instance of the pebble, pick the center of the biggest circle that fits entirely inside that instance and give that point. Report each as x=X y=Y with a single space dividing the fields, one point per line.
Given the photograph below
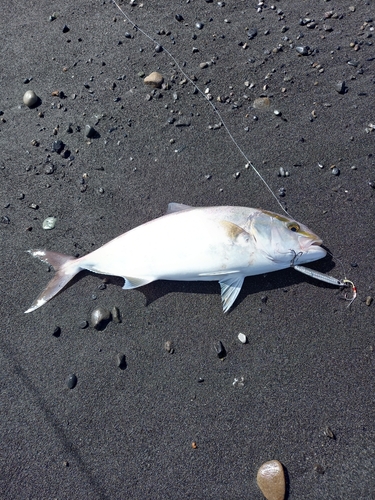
x=30 y=98
x=90 y=132
x=121 y=361
x=57 y=332
x=340 y=87
x=220 y=350
x=252 y=33
x=158 y=48
x=303 y=50
x=58 y=146
x=49 y=223
x=179 y=18
x=168 y=346
x=242 y=338
x=71 y=381
x=271 y=480
x=83 y=325
x=261 y=102
x=116 y=316
x=100 y=318
x=335 y=171
x=199 y=26
x=369 y=300
x=154 y=79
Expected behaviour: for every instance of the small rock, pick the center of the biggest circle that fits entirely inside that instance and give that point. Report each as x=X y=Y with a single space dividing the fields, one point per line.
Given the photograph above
x=340 y=87
x=303 y=50
x=242 y=338
x=199 y=26
x=220 y=350
x=154 y=79
x=90 y=132
x=182 y=123
x=179 y=18
x=252 y=33
x=116 y=316
x=158 y=48
x=329 y=433
x=71 y=381
x=168 y=346
x=100 y=317
x=65 y=29
x=335 y=171
x=30 y=98
x=369 y=300
x=121 y=361
x=57 y=332
x=49 y=223
x=58 y=146
x=261 y=103
x=271 y=480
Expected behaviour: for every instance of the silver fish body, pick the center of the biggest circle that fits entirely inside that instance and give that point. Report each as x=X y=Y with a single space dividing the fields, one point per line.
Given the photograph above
x=223 y=244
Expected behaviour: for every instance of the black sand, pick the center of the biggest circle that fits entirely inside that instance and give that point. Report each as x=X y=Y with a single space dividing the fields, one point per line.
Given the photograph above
x=309 y=362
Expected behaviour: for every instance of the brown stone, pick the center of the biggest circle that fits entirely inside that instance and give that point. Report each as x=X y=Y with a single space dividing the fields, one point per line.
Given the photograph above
x=271 y=480
x=261 y=103
x=154 y=79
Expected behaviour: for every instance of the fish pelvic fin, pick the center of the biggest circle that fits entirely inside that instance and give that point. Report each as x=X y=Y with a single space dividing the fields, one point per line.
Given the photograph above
x=66 y=268
x=230 y=288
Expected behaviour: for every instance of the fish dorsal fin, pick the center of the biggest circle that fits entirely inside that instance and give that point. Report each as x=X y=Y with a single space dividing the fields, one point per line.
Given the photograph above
x=177 y=207
x=230 y=288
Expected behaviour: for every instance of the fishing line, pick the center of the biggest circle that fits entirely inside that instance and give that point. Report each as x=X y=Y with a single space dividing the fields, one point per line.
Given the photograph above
x=241 y=151
x=248 y=162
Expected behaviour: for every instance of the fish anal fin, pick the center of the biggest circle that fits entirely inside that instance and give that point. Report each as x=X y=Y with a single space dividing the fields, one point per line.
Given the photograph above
x=230 y=288
x=132 y=282
x=177 y=207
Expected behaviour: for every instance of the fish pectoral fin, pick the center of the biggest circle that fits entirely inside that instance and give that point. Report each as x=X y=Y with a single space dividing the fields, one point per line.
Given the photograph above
x=177 y=207
x=235 y=232
x=132 y=282
x=230 y=288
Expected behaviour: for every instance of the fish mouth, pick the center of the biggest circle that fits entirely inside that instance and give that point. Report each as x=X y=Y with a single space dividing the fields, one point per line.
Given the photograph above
x=311 y=240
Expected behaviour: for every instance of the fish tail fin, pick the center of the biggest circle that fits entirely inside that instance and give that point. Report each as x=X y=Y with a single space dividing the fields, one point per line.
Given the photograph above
x=66 y=268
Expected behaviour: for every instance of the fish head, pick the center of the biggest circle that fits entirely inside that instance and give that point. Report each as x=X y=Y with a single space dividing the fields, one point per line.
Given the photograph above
x=284 y=240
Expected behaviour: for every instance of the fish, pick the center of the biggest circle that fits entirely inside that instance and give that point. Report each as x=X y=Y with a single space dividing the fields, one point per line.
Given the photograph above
x=220 y=243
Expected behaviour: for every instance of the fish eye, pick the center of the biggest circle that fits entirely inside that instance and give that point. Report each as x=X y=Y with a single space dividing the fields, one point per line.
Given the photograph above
x=293 y=226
